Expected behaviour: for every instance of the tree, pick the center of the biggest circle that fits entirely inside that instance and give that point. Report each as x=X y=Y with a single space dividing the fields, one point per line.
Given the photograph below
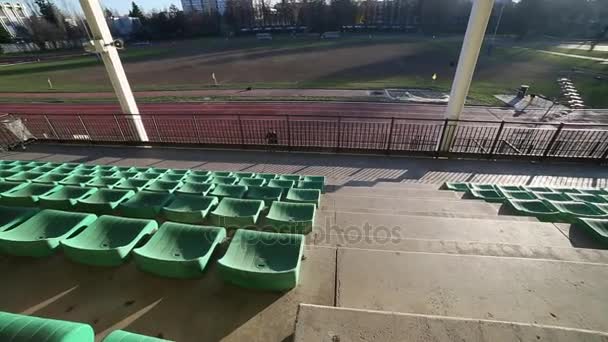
x=5 y=37
x=135 y=11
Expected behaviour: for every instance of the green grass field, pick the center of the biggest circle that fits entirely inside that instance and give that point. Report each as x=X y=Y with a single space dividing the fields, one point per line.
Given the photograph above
x=353 y=62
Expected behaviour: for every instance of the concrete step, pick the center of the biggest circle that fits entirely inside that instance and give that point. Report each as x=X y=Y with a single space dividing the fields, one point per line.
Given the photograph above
x=380 y=227
x=412 y=186
x=554 y=293
x=417 y=205
x=394 y=193
x=329 y=324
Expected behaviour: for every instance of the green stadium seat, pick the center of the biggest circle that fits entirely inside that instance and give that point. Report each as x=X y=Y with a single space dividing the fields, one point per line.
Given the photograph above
x=596 y=228
x=7 y=186
x=285 y=184
x=200 y=173
x=481 y=186
x=177 y=172
x=543 y=210
x=263 y=260
x=126 y=174
x=131 y=184
x=41 y=234
x=179 y=250
x=492 y=196
x=146 y=176
x=566 y=190
x=27 y=195
x=222 y=174
x=311 y=185
x=107 y=241
x=189 y=188
x=5 y=174
x=155 y=170
x=198 y=179
x=71 y=165
x=519 y=195
x=12 y=216
x=92 y=168
x=44 y=169
x=124 y=169
x=267 y=176
x=244 y=175
x=104 y=201
x=224 y=180
x=145 y=204
x=294 y=178
x=313 y=179
x=597 y=192
x=50 y=178
x=25 y=176
x=252 y=181
x=304 y=196
x=590 y=198
x=508 y=188
x=138 y=169
x=21 y=328
x=103 y=182
x=171 y=177
x=233 y=191
x=63 y=170
x=106 y=168
x=267 y=194
x=553 y=196
x=65 y=197
x=453 y=186
x=105 y=173
x=163 y=186
x=544 y=189
x=83 y=172
x=76 y=180
x=18 y=169
x=236 y=213
x=295 y=218
x=125 y=336
x=189 y=208
x=569 y=211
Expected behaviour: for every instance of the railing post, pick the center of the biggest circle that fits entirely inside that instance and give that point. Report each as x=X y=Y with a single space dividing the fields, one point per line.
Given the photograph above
x=196 y=129
x=85 y=128
x=339 y=133
x=288 y=132
x=553 y=140
x=48 y=122
x=446 y=122
x=156 y=127
x=605 y=155
x=496 y=140
x=119 y=129
x=390 y=137
x=241 y=131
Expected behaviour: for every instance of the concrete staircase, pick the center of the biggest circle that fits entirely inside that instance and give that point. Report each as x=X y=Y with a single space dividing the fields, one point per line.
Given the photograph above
x=420 y=264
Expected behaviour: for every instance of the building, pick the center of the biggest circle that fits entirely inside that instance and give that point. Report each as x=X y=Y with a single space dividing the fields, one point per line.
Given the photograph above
x=12 y=17
x=206 y=6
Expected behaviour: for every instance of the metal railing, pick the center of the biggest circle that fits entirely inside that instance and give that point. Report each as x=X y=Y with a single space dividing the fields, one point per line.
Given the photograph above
x=480 y=139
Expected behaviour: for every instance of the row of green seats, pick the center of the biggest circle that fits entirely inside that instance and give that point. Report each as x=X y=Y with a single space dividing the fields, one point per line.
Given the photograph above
x=21 y=328
x=295 y=213
x=260 y=260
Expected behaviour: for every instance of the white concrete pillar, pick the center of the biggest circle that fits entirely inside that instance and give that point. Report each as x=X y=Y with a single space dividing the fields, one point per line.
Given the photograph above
x=471 y=46
x=102 y=38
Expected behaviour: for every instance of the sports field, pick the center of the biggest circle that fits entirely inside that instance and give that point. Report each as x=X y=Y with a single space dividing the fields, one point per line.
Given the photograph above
x=352 y=62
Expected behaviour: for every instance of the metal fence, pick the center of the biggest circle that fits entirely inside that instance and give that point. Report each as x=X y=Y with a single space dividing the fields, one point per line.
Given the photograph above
x=481 y=139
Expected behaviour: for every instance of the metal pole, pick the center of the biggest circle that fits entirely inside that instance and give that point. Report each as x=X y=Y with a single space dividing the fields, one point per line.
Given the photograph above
x=390 y=137
x=495 y=143
x=119 y=129
x=473 y=39
x=288 y=133
x=48 y=122
x=85 y=127
x=103 y=41
x=553 y=140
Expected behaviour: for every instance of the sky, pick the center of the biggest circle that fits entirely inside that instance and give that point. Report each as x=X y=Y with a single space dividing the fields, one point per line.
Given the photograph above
x=122 y=6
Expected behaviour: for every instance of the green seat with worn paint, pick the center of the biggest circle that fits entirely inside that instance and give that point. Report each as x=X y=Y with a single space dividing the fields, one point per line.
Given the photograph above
x=77 y=180
x=179 y=250
x=236 y=213
x=597 y=192
x=313 y=179
x=304 y=196
x=596 y=228
x=481 y=186
x=267 y=176
x=570 y=211
x=189 y=208
x=252 y=181
x=157 y=170
x=83 y=172
x=519 y=195
x=6 y=174
x=125 y=336
x=311 y=185
x=222 y=174
x=189 y=188
x=24 y=176
x=232 y=191
x=106 y=168
x=41 y=234
x=21 y=328
x=543 y=210
x=43 y=169
x=126 y=174
x=224 y=180
x=285 y=217
x=508 y=188
x=492 y=196
x=180 y=172
x=104 y=201
x=50 y=178
x=268 y=194
x=456 y=186
x=131 y=184
x=553 y=196
x=263 y=260
x=537 y=189
x=163 y=186
x=12 y=216
x=108 y=241
x=285 y=184
x=294 y=178
x=171 y=177
x=200 y=173
x=145 y=204
x=105 y=173
x=103 y=182
x=27 y=195
x=191 y=178
x=6 y=186
x=244 y=175
x=589 y=198
x=138 y=169
x=65 y=197
x=566 y=190
x=146 y=176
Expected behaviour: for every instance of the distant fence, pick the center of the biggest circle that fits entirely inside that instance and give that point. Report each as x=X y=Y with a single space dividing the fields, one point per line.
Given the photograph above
x=384 y=135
